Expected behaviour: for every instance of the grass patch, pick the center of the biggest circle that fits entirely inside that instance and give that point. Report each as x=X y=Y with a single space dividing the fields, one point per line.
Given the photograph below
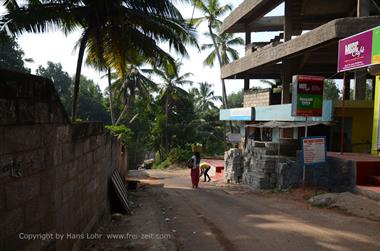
x=162 y=165
x=281 y=191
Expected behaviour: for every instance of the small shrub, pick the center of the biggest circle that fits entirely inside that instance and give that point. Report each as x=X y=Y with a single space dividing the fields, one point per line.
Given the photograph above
x=162 y=165
x=121 y=132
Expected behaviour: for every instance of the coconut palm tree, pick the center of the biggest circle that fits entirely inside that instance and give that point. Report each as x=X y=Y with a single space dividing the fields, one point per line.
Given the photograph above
x=224 y=43
x=111 y=31
x=170 y=88
x=135 y=82
x=204 y=97
x=212 y=10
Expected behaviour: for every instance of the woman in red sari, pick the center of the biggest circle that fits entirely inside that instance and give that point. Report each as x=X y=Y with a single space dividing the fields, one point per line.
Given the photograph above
x=196 y=159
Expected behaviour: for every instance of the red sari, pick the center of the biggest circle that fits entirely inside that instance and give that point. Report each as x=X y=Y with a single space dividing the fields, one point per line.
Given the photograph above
x=195 y=176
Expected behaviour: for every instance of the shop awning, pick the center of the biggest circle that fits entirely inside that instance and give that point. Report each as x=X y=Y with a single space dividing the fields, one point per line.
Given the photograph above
x=282 y=124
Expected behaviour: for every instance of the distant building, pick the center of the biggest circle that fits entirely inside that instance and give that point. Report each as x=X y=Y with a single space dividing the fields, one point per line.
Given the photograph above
x=307 y=44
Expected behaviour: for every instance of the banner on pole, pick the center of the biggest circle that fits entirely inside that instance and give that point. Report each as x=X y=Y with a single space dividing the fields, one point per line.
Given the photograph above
x=314 y=150
x=307 y=96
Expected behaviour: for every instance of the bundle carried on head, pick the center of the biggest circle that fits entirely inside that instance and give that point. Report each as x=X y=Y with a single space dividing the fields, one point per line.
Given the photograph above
x=197 y=148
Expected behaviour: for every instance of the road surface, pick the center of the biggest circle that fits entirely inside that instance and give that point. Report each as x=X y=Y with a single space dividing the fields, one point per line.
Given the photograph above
x=169 y=215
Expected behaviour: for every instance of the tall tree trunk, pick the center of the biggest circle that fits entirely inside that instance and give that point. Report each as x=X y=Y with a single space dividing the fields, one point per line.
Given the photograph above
x=224 y=94
x=122 y=114
x=166 y=122
x=225 y=102
x=82 y=48
x=110 y=96
x=129 y=104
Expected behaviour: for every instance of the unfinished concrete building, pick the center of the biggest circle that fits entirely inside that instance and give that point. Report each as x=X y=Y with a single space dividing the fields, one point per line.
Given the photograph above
x=306 y=43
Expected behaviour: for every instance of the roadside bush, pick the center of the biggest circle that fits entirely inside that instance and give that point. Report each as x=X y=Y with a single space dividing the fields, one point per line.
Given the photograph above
x=161 y=165
x=122 y=132
x=179 y=154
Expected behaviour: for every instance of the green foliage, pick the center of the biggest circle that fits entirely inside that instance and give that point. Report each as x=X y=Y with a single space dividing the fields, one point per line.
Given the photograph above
x=224 y=42
x=368 y=91
x=179 y=154
x=191 y=118
x=330 y=91
x=236 y=99
x=176 y=155
x=122 y=132
x=162 y=164
x=91 y=106
x=204 y=97
x=112 y=32
x=61 y=79
x=11 y=56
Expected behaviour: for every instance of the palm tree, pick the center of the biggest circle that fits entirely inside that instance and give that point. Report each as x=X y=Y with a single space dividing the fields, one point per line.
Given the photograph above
x=133 y=83
x=212 y=11
x=170 y=90
x=204 y=97
x=224 y=42
x=112 y=31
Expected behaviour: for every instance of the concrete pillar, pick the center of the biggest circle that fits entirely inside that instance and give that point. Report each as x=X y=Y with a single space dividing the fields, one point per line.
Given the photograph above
x=363 y=8
x=247 y=37
x=247 y=42
x=373 y=88
x=360 y=84
x=288 y=29
x=346 y=87
x=286 y=79
x=376 y=120
x=246 y=84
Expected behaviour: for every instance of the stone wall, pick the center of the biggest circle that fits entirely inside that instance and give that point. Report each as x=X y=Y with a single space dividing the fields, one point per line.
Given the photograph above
x=337 y=175
x=54 y=176
x=253 y=98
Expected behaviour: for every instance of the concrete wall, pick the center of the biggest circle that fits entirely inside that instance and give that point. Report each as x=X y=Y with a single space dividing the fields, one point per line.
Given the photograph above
x=54 y=176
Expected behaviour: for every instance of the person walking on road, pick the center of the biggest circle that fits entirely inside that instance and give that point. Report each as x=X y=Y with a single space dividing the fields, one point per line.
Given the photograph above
x=195 y=159
x=205 y=167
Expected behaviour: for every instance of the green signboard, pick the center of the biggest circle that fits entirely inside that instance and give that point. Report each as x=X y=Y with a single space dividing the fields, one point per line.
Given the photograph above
x=376 y=46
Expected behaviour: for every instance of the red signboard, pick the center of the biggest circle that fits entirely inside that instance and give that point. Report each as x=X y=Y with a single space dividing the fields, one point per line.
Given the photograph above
x=307 y=96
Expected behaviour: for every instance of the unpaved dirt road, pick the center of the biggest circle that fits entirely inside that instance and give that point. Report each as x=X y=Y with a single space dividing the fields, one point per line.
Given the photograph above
x=172 y=216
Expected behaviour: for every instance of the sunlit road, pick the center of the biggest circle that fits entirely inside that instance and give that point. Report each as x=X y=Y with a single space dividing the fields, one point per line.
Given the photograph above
x=212 y=218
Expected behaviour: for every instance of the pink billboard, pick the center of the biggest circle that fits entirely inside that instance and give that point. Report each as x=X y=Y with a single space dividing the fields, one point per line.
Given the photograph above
x=355 y=52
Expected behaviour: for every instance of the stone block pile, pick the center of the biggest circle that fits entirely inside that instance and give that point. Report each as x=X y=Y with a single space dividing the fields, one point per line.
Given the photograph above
x=267 y=165
x=262 y=165
x=233 y=166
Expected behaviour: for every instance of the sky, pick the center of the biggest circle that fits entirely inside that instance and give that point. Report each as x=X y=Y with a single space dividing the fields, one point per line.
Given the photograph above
x=56 y=47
